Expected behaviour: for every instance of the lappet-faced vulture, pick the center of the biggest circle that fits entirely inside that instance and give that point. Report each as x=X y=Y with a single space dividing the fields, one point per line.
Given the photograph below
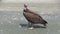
x=32 y=17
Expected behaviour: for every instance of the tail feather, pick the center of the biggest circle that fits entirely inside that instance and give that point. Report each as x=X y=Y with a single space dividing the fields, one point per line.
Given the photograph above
x=45 y=22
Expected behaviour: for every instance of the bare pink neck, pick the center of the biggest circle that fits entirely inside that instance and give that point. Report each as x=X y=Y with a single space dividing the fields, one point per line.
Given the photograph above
x=25 y=8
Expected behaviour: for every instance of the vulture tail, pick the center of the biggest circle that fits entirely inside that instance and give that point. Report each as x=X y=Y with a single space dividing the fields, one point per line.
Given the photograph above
x=45 y=22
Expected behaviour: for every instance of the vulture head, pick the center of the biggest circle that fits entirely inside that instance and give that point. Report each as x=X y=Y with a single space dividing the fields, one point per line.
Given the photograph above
x=25 y=6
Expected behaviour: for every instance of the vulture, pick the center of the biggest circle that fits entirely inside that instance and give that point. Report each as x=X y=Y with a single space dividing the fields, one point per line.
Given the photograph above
x=32 y=17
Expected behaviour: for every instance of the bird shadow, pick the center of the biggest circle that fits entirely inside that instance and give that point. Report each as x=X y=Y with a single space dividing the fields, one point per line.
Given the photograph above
x=35 y=26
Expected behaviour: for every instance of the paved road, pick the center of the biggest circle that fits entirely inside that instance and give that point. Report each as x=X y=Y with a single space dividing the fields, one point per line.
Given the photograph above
x=39 y=7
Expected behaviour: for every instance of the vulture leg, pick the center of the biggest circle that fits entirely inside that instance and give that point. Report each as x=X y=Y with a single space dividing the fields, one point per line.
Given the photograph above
x=31 y=26
x=44 y=25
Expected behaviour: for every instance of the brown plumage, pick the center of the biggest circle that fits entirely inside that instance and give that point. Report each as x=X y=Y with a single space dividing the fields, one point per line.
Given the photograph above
x=32 y=17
